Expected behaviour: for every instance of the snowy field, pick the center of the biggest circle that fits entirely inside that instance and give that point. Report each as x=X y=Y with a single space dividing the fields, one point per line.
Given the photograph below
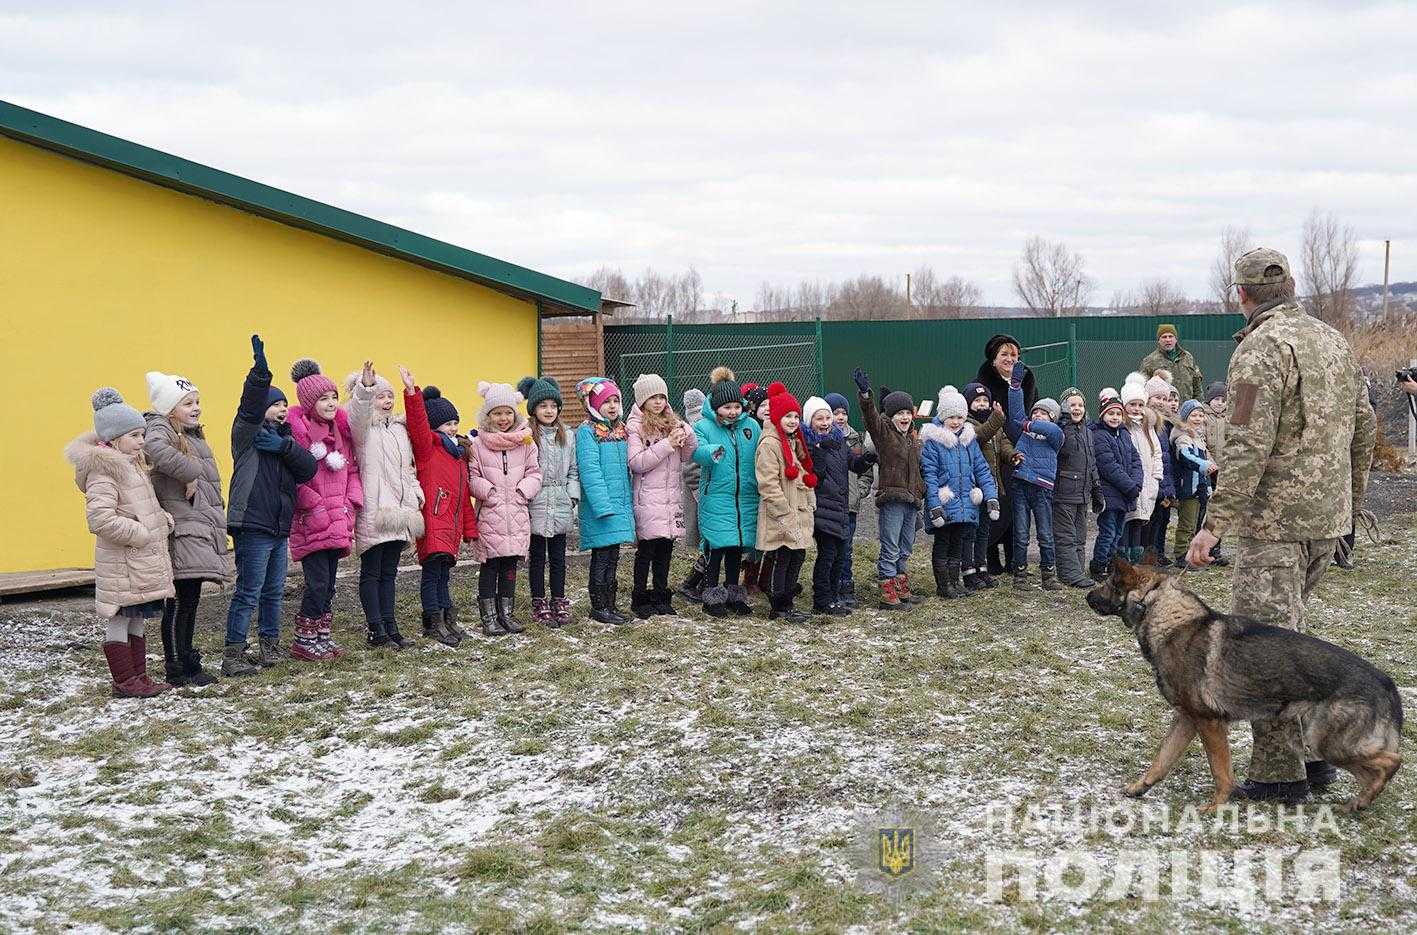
x=684 y=774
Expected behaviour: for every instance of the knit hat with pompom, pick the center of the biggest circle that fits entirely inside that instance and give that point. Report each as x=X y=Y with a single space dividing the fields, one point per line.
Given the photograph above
x=439 y=408
x=494 y=396
x=310 y=383
x=724 y=389
x=113 y=417
x=539 y=389
x=780 y=403
x=951 y=403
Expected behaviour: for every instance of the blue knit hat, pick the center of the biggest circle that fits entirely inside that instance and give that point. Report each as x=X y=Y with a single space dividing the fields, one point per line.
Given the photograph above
x=439 y=410
x=1188 y=407
x=837 y=401
x=275 y=395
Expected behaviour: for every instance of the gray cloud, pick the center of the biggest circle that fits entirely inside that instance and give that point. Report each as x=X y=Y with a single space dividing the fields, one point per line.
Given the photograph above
x=796 y=141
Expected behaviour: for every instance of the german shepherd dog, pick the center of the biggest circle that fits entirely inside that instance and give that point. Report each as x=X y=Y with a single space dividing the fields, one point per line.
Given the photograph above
x=1215 y=668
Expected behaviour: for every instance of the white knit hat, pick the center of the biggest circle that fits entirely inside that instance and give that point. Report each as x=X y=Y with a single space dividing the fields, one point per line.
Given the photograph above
x=495 y=395
x=813 y=405
x=951 y=403
x=165 y=390
x=650 y=384
x=1134 y=390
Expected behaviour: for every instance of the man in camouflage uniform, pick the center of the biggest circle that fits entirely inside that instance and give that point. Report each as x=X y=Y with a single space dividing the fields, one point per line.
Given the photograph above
x=1172 y=357
x=1298 y=443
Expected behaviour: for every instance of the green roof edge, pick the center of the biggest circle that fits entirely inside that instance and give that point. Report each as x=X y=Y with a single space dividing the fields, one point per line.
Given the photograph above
x=169 y=171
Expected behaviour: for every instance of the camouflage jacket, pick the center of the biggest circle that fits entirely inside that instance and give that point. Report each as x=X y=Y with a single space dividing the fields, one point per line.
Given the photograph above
x=861 y=484
x=1299 y=431
x=1185 y=372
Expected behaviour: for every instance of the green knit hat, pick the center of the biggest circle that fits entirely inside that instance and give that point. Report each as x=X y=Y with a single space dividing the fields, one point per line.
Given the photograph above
x=537 y=390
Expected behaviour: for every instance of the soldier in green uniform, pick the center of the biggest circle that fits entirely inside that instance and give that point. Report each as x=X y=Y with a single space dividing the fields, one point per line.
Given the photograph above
x=1176 y=360
x=1298 y=444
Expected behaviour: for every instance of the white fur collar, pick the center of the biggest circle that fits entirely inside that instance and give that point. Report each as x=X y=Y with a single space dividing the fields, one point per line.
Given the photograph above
x=936 y=432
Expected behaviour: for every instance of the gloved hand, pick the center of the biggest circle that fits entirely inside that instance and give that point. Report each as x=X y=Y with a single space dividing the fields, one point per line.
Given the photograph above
x=1016 y=379
x=946 y=494
x=937 y=517
x=869 y=458
x=258 y=353
x=269 y=441
x=993 y=507
x=1098 y=504
x=863 y=382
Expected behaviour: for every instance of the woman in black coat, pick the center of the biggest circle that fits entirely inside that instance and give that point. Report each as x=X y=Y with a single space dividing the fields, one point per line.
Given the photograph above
x=1000 y=353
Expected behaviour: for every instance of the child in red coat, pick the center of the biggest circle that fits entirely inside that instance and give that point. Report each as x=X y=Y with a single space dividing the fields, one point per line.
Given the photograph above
x=440 y=455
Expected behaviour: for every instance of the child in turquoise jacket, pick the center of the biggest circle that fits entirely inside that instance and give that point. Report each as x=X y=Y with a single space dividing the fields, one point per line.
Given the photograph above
x=728 y=492
x=607 y=518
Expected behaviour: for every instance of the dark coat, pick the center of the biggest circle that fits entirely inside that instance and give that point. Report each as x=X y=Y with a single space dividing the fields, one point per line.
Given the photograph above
x=835 y=461
x=263 y=485
x=1077 y=480
x=1168 y=463
x=898 y=471
x=1118 y=465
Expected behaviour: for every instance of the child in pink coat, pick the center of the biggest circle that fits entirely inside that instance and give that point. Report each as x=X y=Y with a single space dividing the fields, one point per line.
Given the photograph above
x=661 y=444
x=325 y=506
x=506 y=476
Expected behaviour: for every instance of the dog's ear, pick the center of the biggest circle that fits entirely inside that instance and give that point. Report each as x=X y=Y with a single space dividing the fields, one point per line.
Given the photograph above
x=1120 y=565
x=1148 y=560
x=1125 y=575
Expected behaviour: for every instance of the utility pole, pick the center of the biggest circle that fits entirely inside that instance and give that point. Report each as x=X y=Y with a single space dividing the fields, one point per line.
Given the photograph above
x=907 y=292
x=1387 y=263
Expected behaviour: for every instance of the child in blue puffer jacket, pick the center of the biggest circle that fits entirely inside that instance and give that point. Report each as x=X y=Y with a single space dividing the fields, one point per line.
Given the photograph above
x=1038 y=438
x=957 y=482
x=728 y=492
x=606 y=515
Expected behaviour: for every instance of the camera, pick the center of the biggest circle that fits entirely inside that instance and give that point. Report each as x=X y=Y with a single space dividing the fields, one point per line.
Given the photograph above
x=1406 y=376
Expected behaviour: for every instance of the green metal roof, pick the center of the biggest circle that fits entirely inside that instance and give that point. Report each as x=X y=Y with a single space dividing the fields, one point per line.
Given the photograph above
x=554 y=296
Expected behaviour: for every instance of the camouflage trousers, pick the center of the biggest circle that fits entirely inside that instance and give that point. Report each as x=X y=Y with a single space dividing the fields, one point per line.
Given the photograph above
x=1272 y=581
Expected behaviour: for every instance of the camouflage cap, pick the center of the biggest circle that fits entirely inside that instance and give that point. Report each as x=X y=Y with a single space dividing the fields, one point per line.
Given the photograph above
x=1261 y=266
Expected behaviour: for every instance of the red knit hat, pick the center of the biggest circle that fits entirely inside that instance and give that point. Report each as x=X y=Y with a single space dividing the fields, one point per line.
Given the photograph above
x=780 y=403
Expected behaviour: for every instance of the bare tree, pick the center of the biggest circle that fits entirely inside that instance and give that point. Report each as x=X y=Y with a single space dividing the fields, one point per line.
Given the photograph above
x=1049 y=279
x=1330 y=257
x=1234 y=241
x=1161 y=297
x=942 y=299
x=867 y=297
x=611 y=283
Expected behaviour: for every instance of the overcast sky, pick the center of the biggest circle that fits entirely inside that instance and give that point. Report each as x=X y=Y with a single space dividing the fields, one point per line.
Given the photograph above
x=777 y=142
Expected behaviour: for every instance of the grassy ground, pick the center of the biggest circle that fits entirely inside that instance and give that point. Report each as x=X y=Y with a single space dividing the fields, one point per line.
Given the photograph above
x=683 y=773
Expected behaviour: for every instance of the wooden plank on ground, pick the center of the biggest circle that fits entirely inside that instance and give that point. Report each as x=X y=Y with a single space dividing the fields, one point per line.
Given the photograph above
x=16 y=583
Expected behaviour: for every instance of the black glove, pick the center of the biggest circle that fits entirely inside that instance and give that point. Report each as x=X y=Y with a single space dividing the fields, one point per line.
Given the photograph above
x=1098 y=504
x=258 y=353
x=863 y=382
x=269 y=441
x=937 y=517
x=869 y=458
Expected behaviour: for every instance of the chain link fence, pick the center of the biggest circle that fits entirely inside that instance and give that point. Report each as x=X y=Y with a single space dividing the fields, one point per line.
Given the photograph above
x=1107 y=363
x=686 y=355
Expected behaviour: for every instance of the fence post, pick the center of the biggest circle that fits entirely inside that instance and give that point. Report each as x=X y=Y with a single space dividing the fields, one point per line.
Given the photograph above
x=821 y=368
x=1073 y=354
x=669 y=349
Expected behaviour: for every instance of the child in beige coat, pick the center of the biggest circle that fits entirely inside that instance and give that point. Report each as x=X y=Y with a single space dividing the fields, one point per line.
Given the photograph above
x=132 y=568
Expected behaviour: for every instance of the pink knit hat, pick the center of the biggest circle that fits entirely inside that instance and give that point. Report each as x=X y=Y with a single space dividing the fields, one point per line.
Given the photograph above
x=310 y=383
x=594 y=391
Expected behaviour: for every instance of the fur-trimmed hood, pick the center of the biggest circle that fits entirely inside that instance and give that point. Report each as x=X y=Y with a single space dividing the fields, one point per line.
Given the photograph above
x=936 y=432
x=89 y=456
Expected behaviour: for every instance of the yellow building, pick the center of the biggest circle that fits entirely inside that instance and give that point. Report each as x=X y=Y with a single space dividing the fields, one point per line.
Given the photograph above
x=116 y=259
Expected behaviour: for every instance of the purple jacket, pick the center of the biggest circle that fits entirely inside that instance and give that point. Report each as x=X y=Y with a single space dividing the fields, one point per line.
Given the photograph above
x=657 y=478
x=325 y=505
x=505 y=469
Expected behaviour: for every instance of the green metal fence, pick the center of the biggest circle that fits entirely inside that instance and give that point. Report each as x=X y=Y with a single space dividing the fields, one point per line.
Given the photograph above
x=917 y=356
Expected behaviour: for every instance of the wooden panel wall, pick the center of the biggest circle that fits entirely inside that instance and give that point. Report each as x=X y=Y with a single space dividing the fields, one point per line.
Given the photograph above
x=571 y=351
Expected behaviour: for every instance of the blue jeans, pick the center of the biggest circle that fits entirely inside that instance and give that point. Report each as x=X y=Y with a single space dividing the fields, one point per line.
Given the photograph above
x=261 y=563
x=1160 y=519
x=433 y=583
x=1032 y=500
x=846 y=582
x=1110 y=524
x=897 y=529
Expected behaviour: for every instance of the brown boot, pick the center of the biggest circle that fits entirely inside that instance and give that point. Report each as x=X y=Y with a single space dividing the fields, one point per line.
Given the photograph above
x=138 y=650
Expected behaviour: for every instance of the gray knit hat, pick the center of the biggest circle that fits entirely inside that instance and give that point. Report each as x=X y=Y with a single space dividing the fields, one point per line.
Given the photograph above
x=694 y=402
x=896 y=401
x=1070 y=392
x=113 y=417
x=1049 y=405
x=1215 y=391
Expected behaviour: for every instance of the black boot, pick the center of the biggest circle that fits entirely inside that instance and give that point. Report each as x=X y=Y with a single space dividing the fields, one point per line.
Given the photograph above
x=376 y=637
x=391 y=631
x=1285 y=793
x=598 y=611
x=450 y=623
x=1321 y=774
x=952 y=580
x=505 y=608
x=716 y=601
x=487 y=616
x=433 y=628
x=940 y=567
x=640 y=605
x=693 y=587
x=738 y=601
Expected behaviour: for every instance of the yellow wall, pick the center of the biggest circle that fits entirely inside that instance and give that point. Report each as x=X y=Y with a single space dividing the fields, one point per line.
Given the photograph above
x=104 y=277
